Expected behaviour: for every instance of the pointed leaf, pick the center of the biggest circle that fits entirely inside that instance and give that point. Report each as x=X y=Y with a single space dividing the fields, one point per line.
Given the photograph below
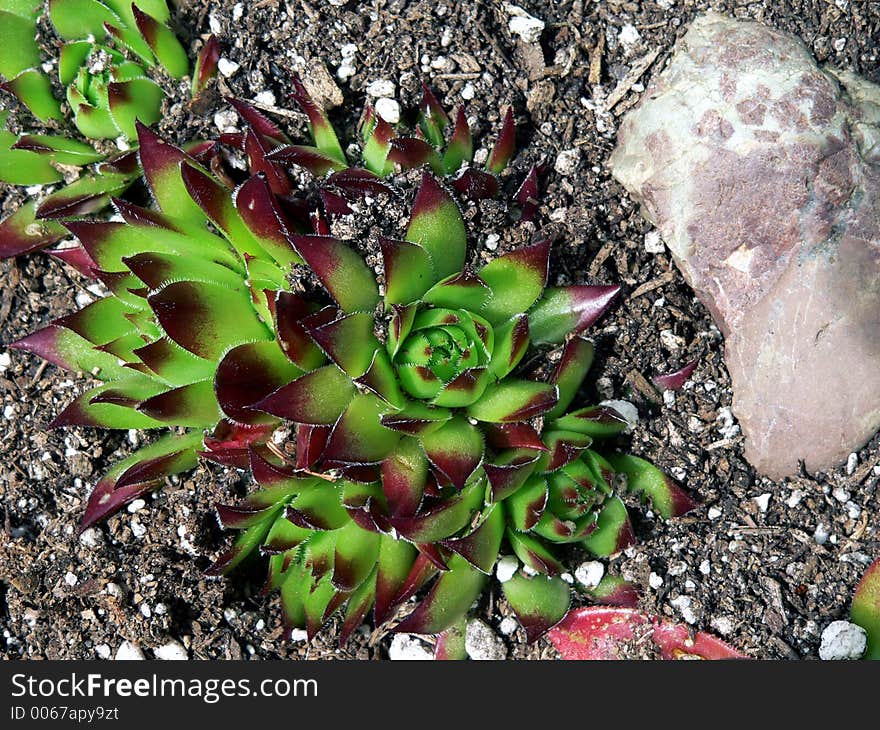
x=163 y=43
x=480 y=548
x=514 y=400
x=455 y=450
x=651 y=483
x=570 y=372
x=341 y=270
x=540 y=602
x=319 y=397
x=359 y=436
x=21 y=233
x=206 y=65
x=348 y=341
x=437 y=226
x=865 y=609
x=404 y=473
x=516 y=280
x=448 y=601
x=565 y=310
x=504 y=147
x=409 y=272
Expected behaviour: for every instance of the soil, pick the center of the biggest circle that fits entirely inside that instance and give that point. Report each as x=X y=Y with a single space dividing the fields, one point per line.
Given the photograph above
x=764 y=565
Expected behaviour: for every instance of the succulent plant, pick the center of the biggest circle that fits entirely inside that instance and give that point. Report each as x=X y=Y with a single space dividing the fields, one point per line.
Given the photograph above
x=447 y=148
x=865 y=609
x=430 y=430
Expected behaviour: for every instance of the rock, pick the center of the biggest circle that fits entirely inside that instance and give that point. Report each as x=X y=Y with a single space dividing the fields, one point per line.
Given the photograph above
x=842 y=640
x=408 y=648
x=527 y=27
x=128 y=651
x=589 y=574
x=171 y=651
x=762 y=173
x=388 y=109
x=506 y=567
x=481 y=643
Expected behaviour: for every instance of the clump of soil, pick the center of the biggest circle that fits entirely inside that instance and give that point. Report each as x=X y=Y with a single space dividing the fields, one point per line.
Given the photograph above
x=765 y=565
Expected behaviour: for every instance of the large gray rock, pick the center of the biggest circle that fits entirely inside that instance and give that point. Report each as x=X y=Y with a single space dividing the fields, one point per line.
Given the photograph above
x=762 y=173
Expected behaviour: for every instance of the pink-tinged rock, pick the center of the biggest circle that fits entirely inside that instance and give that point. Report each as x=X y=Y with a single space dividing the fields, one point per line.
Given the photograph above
x=762 y=173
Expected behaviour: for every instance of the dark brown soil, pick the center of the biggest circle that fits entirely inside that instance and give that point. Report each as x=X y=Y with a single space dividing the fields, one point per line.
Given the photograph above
x=761 y=579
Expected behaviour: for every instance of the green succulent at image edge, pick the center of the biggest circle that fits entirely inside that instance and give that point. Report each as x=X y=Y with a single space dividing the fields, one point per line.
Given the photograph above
x=105 y=90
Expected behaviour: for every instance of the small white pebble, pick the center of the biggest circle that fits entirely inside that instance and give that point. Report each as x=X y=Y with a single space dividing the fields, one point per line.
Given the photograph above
x=492 y=241
x=298 y=635
x=171 y=651
x=481 y=643
x=103 y=651
x=136 y=506
x=853 y=511
x=226 y=121
x=713 y=513
x=408 y=648
x=685 y=606
x=70 y=579
x=506 y=568
x=655 y=581
x=227 y=68
x=852 y=463
x=388 y=109
x=266 y=98
x=567 y=161
x=705 y=567
x=527 y=27
x=821 y=534
x=841 y=495
x=380 y=88
x=653 y=242
x=842 y=640
x=722 y=624
x=763 y=501
x=468 y=92
x=794 y=499
x=628 y=36
x=670 y=340
x=508 y=625
x=128 y=651
x=589 y=573
x=5 y=361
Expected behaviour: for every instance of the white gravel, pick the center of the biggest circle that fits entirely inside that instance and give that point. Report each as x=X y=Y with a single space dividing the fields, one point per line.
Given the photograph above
x=506 y=568
x=589 y=573
x=128 y=651
x=842 y=640
x=527 y=27
x=171 y=651
x=409 y=648
x=388 y=109
x=481 y=643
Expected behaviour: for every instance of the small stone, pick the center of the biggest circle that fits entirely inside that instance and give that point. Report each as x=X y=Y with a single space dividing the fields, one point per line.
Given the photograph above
x=705 y=567
x=685 y=606
x=655 y=581
x=713 y=513
x=226 y=121
x=5 y=361
x=762 y=501
x=171 y=651
x=628 y=36
x=842 y=640
x=841 y=495
x=567 y=161
x=852 y=463
x=527 y=27
x=468 y=92
x=297 y=635
x=853 y=511
x=103 y=651
x=794 y=499
x=821 y=534
x=653 y=242
x=722 y=624
x=70 y=579
x=227 y=68
x=508 y=625
x=481 y=643
x=137 y=529
x=506 y=568
x=408 y=648
x=589 y=573
x=671 y=341
x=128 y=651
x=136 y=506
x=266 y=98
x=381 y=87
x=388 y=109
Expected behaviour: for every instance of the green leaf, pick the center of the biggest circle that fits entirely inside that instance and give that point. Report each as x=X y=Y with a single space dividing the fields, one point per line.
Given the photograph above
x=513 y=400
x=643 y=477
x=409 y=272
x=22 y=233
x=480 y=548
x=566 y=310
x=448 y=601
x=341 y=270
x=865 y=609
x=319 y=397
x=22 y=167
x=533 y=553
x=613 y=531
x=75 y=19
x=357 y=551
x=98 y=407
x=163 y=43
x=526 y=505
x=18 y=49
x=540 y=602
x=570 y=372
x=455 y=449
x=516 y=279
x=137 y=100
x=33 y=89
x=59 y=149
x=437 y=226
x=511 y=344
x=359 y=436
